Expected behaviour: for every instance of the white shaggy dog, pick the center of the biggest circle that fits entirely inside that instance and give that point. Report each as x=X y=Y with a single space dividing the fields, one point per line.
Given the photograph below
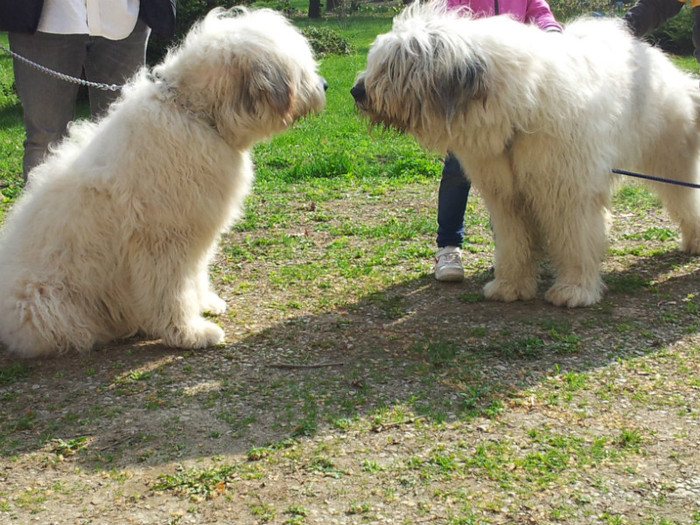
x=114 y=233
x=538 y=120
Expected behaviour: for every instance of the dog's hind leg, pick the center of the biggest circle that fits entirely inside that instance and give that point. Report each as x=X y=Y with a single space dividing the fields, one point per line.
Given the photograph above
x=41 y=319
x=681 y=202
x=673 y=152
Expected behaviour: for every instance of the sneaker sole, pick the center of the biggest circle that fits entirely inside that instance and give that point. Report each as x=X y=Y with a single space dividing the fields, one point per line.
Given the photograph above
x=450 y=277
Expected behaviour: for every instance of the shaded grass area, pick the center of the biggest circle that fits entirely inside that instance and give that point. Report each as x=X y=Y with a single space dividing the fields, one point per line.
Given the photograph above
x=354 y=386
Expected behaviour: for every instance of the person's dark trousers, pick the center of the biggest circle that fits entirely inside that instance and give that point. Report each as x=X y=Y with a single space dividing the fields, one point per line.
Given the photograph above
x=48 y=102
x=452 y=203
x=647 y=15
x=696 y=32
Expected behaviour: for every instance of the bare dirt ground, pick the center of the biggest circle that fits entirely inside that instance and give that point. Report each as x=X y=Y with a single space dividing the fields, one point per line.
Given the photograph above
x=377 y=399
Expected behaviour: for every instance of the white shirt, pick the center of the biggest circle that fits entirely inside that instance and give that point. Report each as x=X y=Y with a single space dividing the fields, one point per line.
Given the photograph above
x=112 y=19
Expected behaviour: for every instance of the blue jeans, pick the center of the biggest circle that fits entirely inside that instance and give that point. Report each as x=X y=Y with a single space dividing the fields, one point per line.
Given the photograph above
x=49 y=102
x=452 y=203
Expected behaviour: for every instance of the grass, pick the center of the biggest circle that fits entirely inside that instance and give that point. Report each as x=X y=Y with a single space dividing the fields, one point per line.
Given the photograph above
x=542 y=458
x=13 y=372
x=403 y=396
x=11 y=132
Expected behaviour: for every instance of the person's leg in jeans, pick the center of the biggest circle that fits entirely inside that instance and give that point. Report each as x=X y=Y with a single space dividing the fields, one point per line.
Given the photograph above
x=452 y=204
x=114 y=62
x=48 y=102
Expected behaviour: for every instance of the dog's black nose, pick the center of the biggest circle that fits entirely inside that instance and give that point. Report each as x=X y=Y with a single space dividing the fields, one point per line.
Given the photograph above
x=358 y=92
x=325 y=84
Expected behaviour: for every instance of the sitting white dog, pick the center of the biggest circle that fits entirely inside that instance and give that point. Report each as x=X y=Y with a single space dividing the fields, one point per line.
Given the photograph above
x=114 y=233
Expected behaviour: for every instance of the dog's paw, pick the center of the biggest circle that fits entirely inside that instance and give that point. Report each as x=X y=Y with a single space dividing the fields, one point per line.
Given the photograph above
x=502 y=290
x=573 y=296
x=691 y=244
x=213 y=304
x=198 y=334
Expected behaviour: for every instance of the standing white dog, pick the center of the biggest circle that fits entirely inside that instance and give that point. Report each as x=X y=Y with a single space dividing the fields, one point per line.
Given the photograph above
x=114 y=233
x=538 y=120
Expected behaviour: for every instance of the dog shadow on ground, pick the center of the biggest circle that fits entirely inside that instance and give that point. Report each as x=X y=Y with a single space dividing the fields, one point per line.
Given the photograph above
x=432 y=350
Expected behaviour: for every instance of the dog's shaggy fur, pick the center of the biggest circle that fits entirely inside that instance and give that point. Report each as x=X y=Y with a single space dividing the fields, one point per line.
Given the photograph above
x=114 y=233
x=538 y=120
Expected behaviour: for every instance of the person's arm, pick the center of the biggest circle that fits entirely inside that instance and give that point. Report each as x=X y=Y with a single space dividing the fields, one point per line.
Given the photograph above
x=647 y=15
x=539 y=13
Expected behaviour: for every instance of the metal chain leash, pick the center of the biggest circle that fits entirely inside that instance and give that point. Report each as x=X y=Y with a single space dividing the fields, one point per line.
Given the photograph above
x=62 y=76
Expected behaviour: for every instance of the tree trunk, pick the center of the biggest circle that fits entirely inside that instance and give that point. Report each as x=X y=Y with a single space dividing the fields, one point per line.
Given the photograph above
x=314 y=8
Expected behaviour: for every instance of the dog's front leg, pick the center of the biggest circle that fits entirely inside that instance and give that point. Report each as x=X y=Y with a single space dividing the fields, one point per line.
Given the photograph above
x=168 y=302
x=515 y=261
x=514 y=235
x=577 y=241
x=209 y=301
x=184 y=327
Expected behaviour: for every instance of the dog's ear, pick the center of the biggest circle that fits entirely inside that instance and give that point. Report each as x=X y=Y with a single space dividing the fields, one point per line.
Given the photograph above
x=461 y=86
x=244 y=87
x=454 y=79
x=466 y=81
x=461 y=80
x=267 y=86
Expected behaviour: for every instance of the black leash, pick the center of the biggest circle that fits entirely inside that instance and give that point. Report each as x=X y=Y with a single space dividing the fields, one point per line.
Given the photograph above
x=658 y=179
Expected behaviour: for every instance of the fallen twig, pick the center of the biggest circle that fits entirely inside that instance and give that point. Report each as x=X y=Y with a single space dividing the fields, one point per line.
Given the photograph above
x=301 y=366
x=380 y=427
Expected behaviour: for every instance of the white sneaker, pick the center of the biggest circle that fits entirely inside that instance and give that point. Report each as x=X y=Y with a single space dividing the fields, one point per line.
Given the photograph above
x=448 y=264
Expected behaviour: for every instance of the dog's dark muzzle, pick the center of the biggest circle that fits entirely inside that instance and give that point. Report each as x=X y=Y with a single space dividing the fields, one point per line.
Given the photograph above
x=325 y=84
x=358 y=92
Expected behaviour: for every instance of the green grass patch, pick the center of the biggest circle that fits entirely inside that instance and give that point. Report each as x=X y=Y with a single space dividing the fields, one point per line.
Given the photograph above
x=206 y=483
x=13 y=372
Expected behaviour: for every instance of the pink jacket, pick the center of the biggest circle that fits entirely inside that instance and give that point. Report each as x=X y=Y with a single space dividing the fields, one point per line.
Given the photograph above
x=528 y=11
